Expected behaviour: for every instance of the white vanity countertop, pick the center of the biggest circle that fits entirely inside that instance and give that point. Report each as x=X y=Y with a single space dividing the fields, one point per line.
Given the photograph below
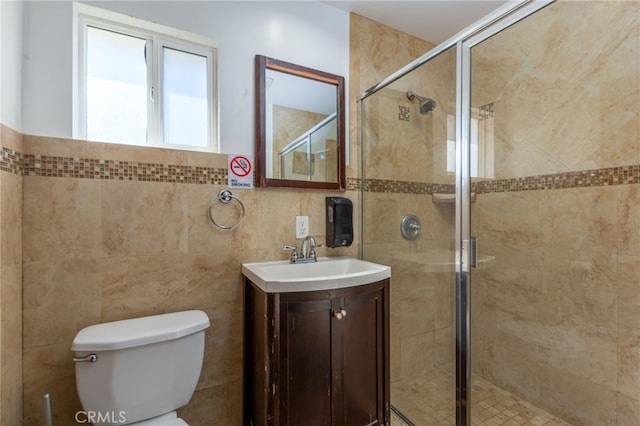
x=327 y=273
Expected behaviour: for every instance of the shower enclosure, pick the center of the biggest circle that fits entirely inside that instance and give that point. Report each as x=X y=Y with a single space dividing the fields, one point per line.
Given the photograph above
x=516 y=297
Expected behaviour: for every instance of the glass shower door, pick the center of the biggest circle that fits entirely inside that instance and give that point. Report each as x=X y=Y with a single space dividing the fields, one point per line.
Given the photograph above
x=554 y=131
x=408 y=208
x=533 y=152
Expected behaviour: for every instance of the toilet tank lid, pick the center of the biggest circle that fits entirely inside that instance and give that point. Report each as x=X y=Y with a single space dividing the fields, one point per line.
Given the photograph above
x=139 y=331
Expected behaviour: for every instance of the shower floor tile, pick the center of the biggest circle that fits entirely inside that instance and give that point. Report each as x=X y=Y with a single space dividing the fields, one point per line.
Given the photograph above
x=427 y=399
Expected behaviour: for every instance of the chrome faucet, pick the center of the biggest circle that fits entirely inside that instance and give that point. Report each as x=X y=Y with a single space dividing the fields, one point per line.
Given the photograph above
x=311 y=254
x=304 y=256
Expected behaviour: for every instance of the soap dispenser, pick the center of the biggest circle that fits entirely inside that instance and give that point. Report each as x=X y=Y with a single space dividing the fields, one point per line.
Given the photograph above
x=339 y=221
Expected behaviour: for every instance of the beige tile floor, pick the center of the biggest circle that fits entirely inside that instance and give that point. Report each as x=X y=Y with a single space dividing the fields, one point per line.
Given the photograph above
x=428 y=399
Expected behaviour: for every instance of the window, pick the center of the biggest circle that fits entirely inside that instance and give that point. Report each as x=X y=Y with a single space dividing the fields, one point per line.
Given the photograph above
x=140 y=83
x=481 y=136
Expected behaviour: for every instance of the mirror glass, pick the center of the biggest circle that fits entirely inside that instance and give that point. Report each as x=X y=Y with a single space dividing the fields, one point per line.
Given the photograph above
x=300 y=126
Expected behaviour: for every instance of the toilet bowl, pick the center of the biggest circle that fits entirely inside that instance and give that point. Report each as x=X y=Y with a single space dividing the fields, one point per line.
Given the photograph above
x=140 y=371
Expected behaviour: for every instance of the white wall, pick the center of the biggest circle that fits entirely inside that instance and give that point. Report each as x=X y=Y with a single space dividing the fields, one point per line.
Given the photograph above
x=10 y=64
x=308 y=33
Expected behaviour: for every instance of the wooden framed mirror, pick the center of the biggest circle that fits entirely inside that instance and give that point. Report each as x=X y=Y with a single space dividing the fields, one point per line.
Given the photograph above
x=300 y=130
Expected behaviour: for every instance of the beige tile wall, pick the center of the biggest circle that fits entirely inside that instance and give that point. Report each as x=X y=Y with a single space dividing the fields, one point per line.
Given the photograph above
x=555 y=309
x=375 y=52
x=404 y=146
x=421 y=290
x=559 y=84
x=10 y=286
x=555 y=314
x=100 y=250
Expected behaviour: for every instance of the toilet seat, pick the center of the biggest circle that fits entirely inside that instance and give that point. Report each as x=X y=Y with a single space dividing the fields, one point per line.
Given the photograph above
x=169 y=419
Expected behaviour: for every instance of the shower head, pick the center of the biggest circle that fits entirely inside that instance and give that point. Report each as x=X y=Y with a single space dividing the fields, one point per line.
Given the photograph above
x=426 y=104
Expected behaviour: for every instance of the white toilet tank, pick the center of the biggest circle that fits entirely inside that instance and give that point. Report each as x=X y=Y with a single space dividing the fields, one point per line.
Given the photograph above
x=145 y=367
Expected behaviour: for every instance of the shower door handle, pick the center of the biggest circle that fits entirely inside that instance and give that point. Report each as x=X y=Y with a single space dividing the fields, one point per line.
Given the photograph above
x=473 y=252
x=469 y=254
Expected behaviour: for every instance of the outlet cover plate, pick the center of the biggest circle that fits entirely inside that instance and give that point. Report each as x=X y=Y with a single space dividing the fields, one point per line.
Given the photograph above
x=302 y=226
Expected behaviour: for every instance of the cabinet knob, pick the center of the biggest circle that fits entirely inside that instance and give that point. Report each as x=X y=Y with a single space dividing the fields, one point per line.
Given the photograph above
x=339 y=314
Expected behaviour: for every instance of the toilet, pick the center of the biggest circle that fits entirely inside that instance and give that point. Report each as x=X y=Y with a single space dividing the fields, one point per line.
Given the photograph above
x=139 y=371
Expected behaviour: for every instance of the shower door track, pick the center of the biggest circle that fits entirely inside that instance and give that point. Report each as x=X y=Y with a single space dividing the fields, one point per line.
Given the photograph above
x=404 y=419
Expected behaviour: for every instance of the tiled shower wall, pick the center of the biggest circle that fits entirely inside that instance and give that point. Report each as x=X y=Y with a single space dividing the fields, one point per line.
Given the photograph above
x=10 y=277
x=556 y=303
x=556 y=311
x=396 y=178
x=375 y=52
x=400 y=171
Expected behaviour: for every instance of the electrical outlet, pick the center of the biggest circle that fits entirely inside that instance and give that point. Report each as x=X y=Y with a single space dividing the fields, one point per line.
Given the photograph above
x=302 y=226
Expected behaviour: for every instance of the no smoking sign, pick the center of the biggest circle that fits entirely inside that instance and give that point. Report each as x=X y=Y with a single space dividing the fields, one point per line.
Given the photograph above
x=240 y=171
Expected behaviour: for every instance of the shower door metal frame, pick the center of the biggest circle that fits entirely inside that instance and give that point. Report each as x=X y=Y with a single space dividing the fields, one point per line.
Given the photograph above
x=496 y=21
x=464 y=238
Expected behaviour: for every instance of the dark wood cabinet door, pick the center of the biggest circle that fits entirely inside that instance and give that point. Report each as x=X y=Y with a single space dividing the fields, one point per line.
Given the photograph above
x=318 y=358
x=360 y=361
x=305 y=363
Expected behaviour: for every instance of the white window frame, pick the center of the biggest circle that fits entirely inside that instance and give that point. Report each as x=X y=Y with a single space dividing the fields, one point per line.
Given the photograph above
x=157 y=36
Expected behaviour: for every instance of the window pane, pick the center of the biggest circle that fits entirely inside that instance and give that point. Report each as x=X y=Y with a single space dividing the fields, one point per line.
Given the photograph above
x=116 y=87
x=185 y=109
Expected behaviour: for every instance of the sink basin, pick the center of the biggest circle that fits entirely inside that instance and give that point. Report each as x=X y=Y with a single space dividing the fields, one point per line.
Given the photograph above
x=326 y=274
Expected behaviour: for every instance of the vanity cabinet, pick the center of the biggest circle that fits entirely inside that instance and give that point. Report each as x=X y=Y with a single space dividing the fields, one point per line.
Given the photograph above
x=317 y=357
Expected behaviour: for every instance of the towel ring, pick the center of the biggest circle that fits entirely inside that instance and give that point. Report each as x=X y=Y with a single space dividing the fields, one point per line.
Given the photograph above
x=225 y=197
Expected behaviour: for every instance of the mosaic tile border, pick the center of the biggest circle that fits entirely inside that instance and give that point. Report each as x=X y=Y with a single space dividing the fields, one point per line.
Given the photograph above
x=81 y=168
x=51 y=166
x=353 y=184
x=404 y=187
x=11 y=161
x=625 y=175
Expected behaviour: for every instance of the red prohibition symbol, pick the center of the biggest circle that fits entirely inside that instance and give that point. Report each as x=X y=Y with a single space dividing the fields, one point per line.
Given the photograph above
x=240 y=166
